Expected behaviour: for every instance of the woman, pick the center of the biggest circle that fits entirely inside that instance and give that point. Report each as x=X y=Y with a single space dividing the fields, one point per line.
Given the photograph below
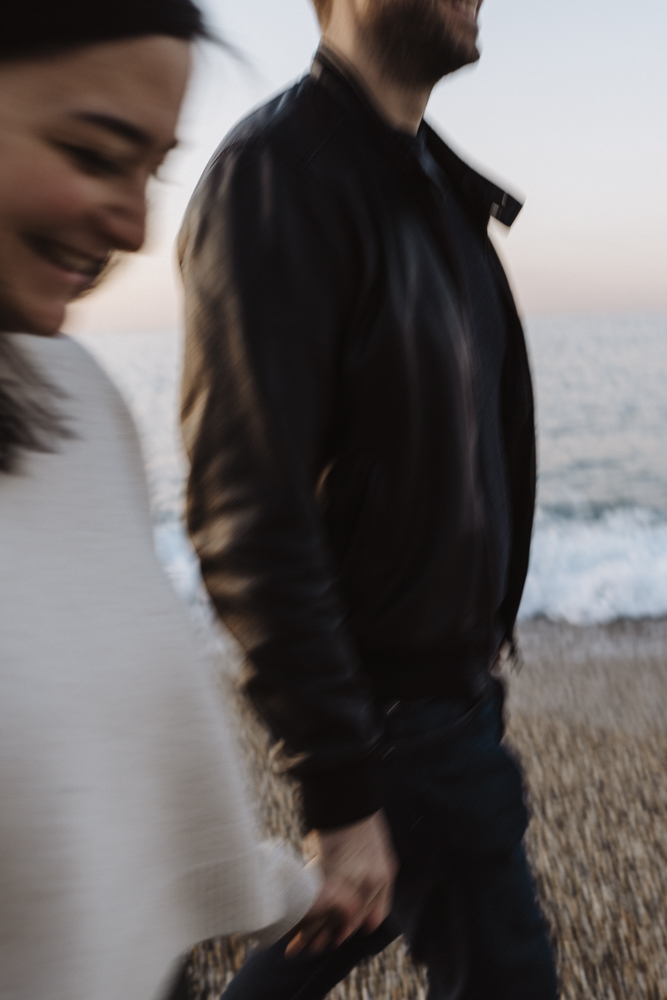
x=125 y=836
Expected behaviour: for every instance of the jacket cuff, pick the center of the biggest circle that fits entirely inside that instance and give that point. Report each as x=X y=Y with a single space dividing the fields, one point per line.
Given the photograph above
x=340 y=797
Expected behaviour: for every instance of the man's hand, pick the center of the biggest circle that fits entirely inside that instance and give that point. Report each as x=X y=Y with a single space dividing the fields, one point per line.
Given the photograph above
x=359 y=868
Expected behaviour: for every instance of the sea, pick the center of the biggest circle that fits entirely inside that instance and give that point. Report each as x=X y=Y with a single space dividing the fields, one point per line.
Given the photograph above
x=600 y=541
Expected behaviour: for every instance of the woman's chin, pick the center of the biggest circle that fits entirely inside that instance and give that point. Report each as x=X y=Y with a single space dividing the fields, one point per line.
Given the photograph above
x=44 y=318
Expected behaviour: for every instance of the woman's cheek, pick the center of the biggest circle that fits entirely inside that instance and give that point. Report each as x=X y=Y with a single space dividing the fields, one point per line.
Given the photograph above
x=54 y=194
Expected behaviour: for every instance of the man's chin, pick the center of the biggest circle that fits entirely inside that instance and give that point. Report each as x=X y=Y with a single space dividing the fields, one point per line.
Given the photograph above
x=468 y=57
x=454 y=54
x=421 y=50
x=441 y=65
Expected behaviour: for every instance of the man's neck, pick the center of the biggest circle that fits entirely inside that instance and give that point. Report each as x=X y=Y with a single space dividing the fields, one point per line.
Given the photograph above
x=402 y=106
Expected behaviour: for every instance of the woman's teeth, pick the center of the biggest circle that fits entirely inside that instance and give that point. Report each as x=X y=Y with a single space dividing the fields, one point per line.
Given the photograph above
x=67 y=258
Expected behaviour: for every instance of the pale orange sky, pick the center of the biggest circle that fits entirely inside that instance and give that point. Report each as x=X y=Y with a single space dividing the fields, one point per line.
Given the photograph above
x=568 y=108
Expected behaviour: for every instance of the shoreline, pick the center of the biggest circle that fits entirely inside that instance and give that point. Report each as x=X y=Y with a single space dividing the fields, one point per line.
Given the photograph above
x=611 y=676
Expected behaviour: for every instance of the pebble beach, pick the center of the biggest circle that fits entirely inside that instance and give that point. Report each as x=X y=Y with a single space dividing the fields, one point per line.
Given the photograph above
x=587 y=716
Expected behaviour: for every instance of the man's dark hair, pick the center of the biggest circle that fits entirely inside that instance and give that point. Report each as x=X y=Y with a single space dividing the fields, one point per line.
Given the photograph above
x=33 y=27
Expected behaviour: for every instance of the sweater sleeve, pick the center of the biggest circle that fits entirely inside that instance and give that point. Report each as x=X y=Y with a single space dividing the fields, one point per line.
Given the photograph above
x=268 y=278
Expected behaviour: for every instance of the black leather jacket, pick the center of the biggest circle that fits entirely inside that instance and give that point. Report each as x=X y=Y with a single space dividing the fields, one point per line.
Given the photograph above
x=329 y=415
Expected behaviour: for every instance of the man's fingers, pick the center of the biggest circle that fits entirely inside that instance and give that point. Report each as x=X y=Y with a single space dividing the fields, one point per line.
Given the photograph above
x=360 y=855
x=326 y=937
x=378 y=912
x=296 y=944
x=319 y=930
x=305 y=932
x=370 y=914
x=316 y=937
x=380 y=907
x=359 y=868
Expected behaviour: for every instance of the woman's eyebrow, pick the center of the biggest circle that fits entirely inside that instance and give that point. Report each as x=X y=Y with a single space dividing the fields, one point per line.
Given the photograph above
x=121 y=127
x=118 y=126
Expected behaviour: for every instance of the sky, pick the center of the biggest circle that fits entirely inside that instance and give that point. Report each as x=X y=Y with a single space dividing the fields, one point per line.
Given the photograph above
x=567 y=108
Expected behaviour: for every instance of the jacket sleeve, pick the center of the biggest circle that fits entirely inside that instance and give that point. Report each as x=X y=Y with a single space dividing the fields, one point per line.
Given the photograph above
x=268 y=277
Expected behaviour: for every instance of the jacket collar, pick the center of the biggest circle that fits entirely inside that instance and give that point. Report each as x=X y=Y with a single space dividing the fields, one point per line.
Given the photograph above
x=483 y=198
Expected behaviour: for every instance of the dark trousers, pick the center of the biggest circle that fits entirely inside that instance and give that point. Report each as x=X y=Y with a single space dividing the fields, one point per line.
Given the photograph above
x=464 y=895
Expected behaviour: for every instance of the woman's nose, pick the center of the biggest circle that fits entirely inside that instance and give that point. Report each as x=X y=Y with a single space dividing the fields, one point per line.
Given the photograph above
x=123 y=220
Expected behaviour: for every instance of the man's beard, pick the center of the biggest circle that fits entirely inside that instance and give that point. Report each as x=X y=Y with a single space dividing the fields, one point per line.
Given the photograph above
x=413 y=41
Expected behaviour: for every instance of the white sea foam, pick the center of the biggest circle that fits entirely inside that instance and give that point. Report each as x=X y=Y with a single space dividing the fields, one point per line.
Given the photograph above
x=581 y=571
x=598 y=569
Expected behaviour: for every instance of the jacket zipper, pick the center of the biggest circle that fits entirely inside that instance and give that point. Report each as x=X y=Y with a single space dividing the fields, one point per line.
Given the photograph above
x=473 y=416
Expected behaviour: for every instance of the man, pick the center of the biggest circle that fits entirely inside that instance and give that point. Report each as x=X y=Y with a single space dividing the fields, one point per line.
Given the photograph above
x=358 y=412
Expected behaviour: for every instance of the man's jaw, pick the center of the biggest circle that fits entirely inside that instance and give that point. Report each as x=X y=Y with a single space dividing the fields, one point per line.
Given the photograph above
x=466 y=9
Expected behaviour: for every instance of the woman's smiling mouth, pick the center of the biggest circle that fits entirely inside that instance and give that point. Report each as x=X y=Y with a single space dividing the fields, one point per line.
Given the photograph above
x=83 y=267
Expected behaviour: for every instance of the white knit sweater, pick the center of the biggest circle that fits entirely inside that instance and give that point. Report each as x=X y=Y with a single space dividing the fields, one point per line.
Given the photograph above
x=125 y=835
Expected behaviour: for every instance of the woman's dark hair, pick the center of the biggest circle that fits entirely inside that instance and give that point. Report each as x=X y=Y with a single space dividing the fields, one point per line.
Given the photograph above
x=33 y=27
x=29 y=416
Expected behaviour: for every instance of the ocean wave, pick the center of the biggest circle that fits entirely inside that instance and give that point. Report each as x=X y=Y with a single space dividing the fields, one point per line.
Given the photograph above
x=611 y=564
x=583 y=571
x=602 y=418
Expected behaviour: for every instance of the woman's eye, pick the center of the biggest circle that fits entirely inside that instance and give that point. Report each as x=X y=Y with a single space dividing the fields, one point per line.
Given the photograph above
x=91 y=161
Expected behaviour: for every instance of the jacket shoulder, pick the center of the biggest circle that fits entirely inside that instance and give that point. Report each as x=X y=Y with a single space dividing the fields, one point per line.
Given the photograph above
x=292 y=127
x=283 y=161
